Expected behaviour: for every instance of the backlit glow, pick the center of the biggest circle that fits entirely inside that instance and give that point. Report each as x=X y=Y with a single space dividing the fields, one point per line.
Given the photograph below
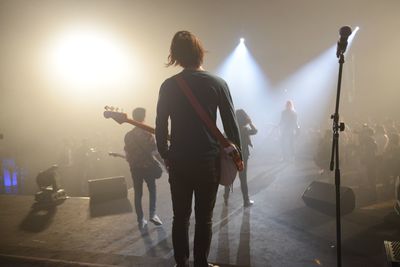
x=245 y=78
x=249 y=86
x=311 y=89
x=88 y=58
x=353 y=34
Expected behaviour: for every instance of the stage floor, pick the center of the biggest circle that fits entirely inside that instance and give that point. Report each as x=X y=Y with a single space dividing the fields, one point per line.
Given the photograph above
x=279 y=230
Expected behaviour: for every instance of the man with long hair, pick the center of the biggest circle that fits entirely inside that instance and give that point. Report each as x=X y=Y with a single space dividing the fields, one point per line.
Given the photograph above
x=192 y=157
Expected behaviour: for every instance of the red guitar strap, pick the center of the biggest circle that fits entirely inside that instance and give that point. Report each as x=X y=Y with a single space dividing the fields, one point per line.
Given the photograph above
x=201 y=112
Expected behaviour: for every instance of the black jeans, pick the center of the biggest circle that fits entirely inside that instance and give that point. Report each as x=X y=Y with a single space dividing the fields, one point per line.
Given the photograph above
x=201 y=180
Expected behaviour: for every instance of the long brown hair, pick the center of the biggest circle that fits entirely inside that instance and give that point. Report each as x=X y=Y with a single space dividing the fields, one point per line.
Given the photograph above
x=186 y=50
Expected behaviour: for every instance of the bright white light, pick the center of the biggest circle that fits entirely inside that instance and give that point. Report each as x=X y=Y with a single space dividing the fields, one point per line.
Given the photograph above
x=87 y=58
x=248 y=83
x=311 y=88
x=353 y=34
x=242 y=40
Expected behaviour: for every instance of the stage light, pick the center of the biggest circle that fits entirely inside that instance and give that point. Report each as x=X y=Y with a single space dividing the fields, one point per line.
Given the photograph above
x=85 y=57
x=242 y=40
x=10 y=175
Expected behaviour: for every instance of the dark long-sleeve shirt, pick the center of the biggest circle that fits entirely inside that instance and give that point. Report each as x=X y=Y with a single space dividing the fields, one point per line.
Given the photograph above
x=190 y=137
x=139 y=146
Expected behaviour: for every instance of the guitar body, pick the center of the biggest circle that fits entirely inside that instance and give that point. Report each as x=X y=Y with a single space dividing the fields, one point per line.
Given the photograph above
x=228 y=169
x=230 y=164
x=233 y=152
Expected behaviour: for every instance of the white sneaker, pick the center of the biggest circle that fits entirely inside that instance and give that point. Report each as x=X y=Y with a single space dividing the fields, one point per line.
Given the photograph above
x=156 y=220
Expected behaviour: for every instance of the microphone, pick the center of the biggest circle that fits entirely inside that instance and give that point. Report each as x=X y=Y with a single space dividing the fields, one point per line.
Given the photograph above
x=344 y=33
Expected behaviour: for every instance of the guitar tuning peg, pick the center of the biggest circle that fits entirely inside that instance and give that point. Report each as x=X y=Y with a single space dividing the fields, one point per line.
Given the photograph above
x=106 y=107
x=112 y=108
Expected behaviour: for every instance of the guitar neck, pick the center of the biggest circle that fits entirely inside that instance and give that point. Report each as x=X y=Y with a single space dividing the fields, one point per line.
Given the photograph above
x=122 y=117
x=145 y=127
x=141 y=126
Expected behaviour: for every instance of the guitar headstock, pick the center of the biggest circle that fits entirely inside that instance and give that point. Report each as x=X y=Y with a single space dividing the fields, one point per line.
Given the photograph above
x=116 y=114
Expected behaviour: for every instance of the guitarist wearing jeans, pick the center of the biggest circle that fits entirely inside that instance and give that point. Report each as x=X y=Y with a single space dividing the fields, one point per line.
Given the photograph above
x=140 y=147
x=192 y=157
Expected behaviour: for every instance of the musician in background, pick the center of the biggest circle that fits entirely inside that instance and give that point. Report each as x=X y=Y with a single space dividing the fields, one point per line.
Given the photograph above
x=246 y=128
x=192 y=157
x=289 y=128
x=140 y=149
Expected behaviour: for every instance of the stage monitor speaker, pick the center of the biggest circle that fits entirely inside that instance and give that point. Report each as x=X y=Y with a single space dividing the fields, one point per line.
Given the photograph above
x=107 y=189
x=392 y=249
x=322 y=197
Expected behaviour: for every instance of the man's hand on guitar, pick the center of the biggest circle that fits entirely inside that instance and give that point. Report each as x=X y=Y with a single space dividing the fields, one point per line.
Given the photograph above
x=234 y=153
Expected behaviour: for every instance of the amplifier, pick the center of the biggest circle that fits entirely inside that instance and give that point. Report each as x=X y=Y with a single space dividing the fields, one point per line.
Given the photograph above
x=392 y=249
x=107 y=188
x=322 y=197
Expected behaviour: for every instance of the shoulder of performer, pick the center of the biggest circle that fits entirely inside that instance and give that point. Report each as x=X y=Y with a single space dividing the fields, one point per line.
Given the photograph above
x=129 y=135
x=168 y=83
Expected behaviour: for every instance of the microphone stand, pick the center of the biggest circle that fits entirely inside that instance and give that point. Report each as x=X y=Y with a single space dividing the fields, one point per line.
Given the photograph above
x=334 y=164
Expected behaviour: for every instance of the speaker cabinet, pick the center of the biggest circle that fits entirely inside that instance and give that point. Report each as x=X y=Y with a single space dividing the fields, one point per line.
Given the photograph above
x=322 y=197
x=392 y=249
x=107 y=189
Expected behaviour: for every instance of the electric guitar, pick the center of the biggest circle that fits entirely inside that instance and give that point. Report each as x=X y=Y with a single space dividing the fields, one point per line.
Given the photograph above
x=121 y=117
